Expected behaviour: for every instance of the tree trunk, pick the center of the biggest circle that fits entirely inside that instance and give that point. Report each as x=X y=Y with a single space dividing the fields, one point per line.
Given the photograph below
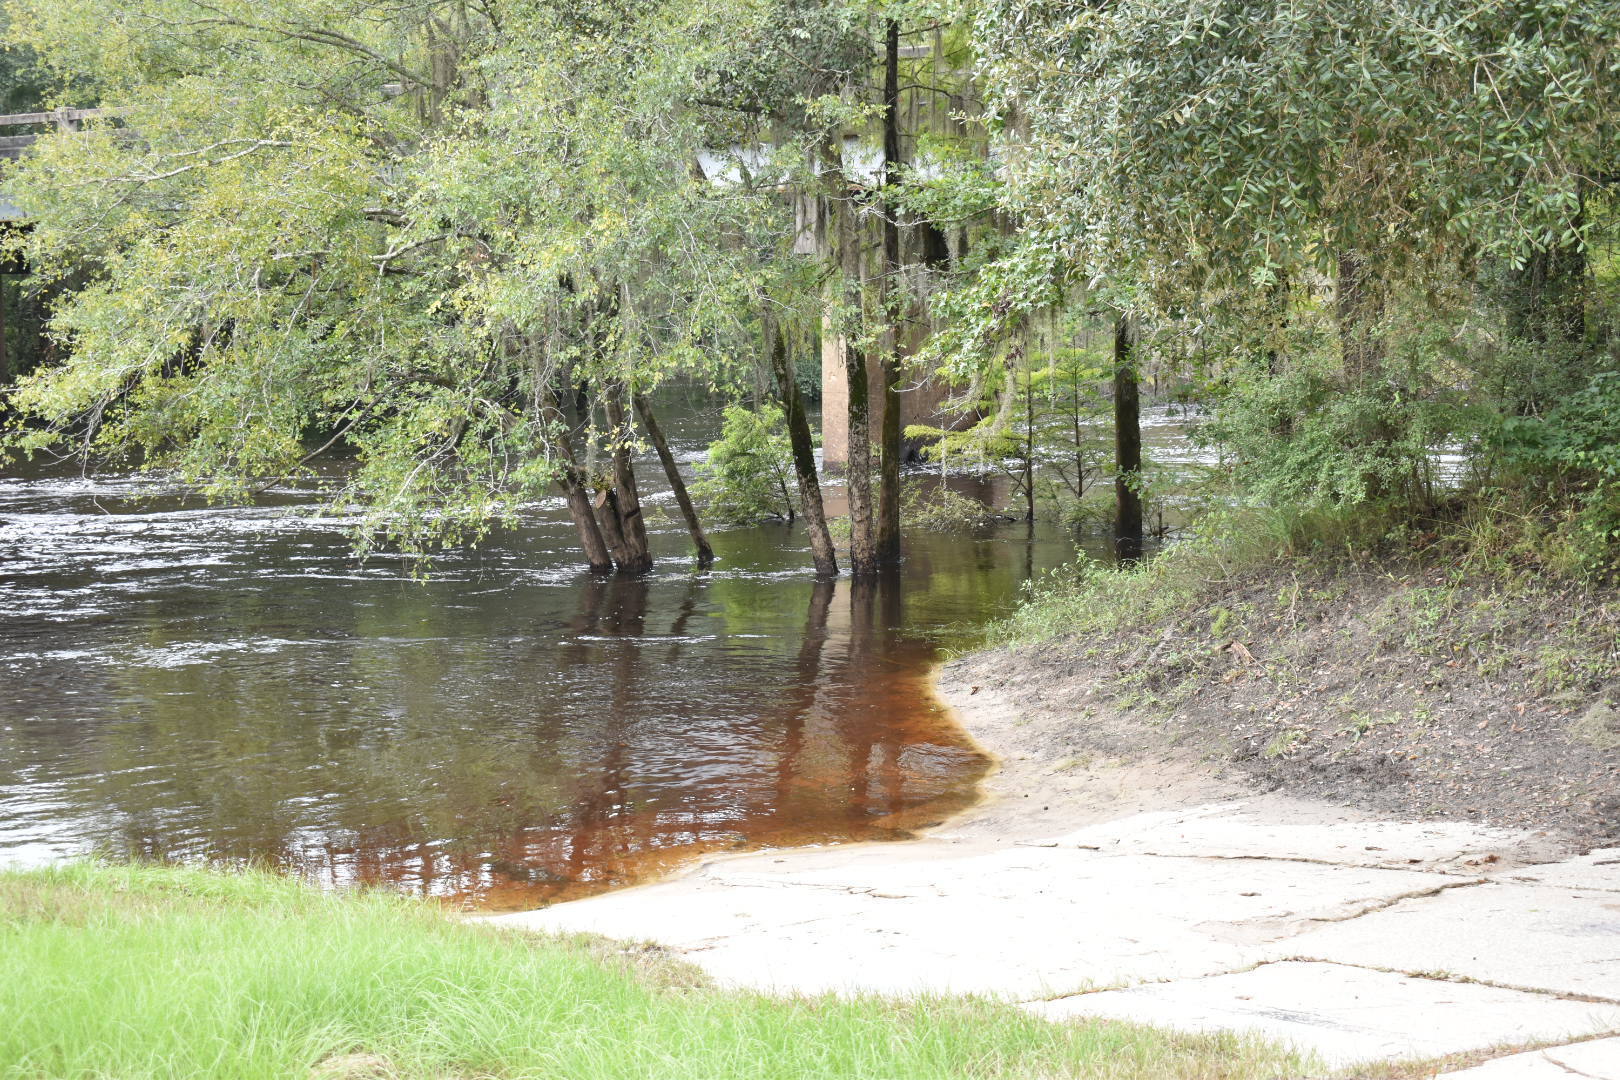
x=596 y=551
x=624 y=499
x=888 y=524
x=5 y=359
x=606 y=505
x=822 y=551
x=862 y=553
x=1127 y=445
x=705 y=553
x=576 y=493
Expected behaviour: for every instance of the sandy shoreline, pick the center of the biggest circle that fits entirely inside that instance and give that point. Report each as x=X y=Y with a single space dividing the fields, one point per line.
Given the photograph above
x=1045 y=781
x=1038 y=785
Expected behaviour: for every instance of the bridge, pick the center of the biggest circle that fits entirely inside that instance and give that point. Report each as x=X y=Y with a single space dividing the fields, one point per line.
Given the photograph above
x=12 y=215
x=12 y=146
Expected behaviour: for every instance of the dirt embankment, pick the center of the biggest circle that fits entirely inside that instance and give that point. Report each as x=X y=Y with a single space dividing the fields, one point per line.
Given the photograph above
x=1392 y=691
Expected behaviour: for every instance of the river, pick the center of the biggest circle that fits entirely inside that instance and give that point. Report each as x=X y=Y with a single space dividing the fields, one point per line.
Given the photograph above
x=231 y=684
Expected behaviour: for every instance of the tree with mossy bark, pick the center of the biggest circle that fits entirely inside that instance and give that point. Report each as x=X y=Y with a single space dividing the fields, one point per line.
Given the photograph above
x=845 y=89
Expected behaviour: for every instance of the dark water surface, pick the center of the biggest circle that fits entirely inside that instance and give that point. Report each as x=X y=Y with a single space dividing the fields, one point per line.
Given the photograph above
x=208 y=683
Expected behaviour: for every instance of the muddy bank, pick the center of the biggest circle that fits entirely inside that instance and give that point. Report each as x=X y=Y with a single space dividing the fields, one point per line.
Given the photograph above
x=1048 y=780
x=1394 y=692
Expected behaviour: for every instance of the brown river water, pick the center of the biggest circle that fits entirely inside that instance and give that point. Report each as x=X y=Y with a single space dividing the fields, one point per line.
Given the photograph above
x=231 y=684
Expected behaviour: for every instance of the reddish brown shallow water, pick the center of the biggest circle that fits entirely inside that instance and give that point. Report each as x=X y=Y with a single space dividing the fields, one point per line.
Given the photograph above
x=856 y=751
x=229 y=685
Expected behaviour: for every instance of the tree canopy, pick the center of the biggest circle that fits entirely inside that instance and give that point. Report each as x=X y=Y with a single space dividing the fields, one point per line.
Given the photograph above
x=455 y=237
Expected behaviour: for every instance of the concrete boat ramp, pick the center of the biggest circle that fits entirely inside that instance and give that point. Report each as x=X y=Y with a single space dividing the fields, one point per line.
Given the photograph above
x=1356 y=940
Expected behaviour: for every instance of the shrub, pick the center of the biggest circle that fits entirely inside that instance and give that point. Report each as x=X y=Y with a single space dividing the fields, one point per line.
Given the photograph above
x=1572 y=454
x=746 y=476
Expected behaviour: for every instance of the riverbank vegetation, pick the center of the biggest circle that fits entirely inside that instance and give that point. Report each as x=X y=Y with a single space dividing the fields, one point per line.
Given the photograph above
x=1458 y=666
x=151 y=971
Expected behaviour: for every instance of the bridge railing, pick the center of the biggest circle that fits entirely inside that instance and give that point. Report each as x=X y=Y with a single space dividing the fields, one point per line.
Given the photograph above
x=12 y=146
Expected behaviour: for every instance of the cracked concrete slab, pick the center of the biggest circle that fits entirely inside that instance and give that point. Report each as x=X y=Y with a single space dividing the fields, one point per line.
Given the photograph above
x=1233 y=830
x=1346 y=1015
x=1013 y=920
x=1552 y=939
x=1595 y=870
x=1598 y=1059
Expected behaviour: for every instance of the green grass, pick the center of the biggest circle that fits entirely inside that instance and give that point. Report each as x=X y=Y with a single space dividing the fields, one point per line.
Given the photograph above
x=112 y=970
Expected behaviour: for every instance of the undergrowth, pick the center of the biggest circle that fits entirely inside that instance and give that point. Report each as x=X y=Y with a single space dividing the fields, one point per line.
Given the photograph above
x=1474 y=547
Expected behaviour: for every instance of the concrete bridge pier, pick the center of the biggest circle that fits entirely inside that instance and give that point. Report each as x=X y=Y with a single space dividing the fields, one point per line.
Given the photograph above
x=920 y=403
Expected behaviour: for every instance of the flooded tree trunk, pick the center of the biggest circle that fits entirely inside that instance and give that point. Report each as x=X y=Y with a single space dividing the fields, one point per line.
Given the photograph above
x=822 y=551
x=862 y=552
x=1127 y=445
x=672 y=471
x=596 y=551
x=575 y=489
x=888 y=523
x=623 y=498
x=606 y=505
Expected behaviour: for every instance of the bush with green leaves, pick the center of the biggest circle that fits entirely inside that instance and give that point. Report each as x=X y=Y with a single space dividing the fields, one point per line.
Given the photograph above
x=749 y=470
x=1297 y=434
x=944 y=510
x=1571 y=455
